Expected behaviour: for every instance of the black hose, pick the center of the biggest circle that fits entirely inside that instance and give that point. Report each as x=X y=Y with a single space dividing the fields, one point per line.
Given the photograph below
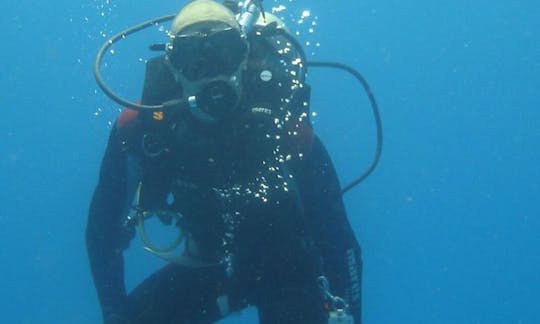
x=151 y=22
x=376 y=115
x=103 y=50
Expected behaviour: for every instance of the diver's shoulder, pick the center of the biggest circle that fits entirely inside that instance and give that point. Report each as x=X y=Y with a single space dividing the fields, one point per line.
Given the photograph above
x=157 y=62
x=127 y=128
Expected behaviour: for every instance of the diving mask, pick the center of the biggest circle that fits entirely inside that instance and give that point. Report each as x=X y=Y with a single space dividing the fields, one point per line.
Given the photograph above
x=208 y=60
x=207 y=52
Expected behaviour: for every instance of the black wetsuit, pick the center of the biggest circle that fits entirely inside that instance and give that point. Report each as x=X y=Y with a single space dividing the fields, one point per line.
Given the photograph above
x=276 y=182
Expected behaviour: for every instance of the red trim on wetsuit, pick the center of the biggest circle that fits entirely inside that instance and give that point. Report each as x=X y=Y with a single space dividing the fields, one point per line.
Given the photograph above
x=127 y=118
x=127 y=123
x=302 y=138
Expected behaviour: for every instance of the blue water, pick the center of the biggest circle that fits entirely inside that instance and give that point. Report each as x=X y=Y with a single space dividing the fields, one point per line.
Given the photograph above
x=449 y=222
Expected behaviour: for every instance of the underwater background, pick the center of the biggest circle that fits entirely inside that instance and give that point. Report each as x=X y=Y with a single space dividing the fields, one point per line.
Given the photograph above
x=449 y=223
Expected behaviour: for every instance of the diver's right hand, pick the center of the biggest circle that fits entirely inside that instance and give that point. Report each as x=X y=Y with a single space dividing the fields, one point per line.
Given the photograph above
x=116 y=319
x=116 y=312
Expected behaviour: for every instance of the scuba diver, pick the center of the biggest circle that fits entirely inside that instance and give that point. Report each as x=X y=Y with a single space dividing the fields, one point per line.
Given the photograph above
x=221 y=148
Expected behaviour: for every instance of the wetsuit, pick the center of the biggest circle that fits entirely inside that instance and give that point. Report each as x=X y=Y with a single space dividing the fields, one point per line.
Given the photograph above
x=260 y=198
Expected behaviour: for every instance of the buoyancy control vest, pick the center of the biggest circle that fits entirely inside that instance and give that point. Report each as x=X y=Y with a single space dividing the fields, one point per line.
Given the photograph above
x=186 y=164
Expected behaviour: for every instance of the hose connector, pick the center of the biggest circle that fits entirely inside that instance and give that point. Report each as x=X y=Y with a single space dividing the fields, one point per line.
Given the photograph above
x=249 y=13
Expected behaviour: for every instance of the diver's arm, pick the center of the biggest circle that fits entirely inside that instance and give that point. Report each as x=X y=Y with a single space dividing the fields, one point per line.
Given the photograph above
x=106 y=238
x=340 y=251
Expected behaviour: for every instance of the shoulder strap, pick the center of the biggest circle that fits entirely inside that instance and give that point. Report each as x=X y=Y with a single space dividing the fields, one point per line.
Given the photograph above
x=275 y=85
x=274 y=69
x=159 y=83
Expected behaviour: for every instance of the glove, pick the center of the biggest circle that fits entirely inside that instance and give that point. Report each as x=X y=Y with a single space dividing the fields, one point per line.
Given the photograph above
x=115 y=310
x=116 y=319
